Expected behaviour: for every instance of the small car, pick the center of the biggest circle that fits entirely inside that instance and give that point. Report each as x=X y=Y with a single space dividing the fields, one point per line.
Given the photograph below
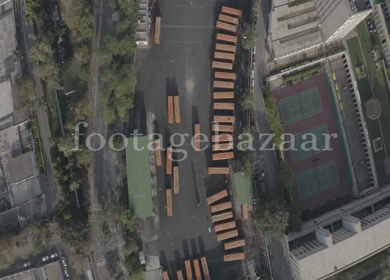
x=21 y=218
x=26 y=264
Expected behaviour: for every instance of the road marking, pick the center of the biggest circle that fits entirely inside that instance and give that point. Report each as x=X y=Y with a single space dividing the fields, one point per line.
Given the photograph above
x=188 y=26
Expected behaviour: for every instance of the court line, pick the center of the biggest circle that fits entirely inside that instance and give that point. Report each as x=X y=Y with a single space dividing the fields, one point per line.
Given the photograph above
x=188 y=26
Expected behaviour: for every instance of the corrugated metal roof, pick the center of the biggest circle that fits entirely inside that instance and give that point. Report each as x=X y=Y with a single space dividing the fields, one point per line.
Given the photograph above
x=243 y=188
x=138 y=177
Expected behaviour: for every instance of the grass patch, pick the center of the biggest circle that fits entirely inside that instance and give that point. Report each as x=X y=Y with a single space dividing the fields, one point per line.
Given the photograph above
x=37 y=134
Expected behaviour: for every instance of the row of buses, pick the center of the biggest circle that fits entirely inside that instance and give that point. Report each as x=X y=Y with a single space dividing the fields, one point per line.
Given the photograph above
x=223 y=84
x=188 y=270
x=225 y=226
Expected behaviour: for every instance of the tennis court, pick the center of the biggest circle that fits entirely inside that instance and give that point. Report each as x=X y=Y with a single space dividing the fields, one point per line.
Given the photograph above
x=307 y=136
x=317 y=179
x=300 y=106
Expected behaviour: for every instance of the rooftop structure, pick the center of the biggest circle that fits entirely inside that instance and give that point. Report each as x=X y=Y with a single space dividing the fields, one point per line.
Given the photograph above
x=51 y=271
x=144 y=22
x=323 y=247
x=7 y=103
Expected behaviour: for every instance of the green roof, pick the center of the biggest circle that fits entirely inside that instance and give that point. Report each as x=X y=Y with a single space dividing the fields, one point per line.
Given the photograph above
x=243 y=188
x=138 y=177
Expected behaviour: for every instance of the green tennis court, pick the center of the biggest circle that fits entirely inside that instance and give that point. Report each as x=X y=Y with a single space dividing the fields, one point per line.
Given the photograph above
x=318 y=132
x=317 y=179
x=302 y=105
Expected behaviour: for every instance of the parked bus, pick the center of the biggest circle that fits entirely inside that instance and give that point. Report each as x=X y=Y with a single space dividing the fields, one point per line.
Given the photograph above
x=217 y=196
x=170 y=110
x=224 y=56
x=225 y=76
x=223 y=106
x=221 y=207
x=188 y=269
x=205 y=268
x=176 y=180
x=224 y=95
x=225 y=226
x=222 y=217
x=197 y=142
x=229 y=19
x=225 y=48
x=223 y=128
x=197 y=270
x=233 y=257
x=177 y=109
x=169 y=203
x=245 y=214
x=227 y=235
x=224 y=119
x=223 y=156
x=226 y=26
x=226 y=38
x=165 y=275
x=234 y=244
x=222 y=84
x=169 y=161
x=179 y=275
x=222 y=65
x=157 y=143
x=232 y=11
x=157 y=31
x=222 y=138
x=219 y=170
x=222 y=147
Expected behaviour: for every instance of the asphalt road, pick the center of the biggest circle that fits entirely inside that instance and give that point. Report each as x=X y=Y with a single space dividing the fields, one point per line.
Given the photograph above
x=181 y=65
x=47 y=203
x=267 y=158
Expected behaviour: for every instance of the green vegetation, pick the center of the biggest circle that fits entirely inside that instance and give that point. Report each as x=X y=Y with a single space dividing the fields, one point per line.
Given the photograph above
x=274 y=120
x=131 y=265
x=249 y=165
x=250 y=40
x=302 y=74
x=78 y=17
x=39 y=150
x=117 y=142
x=117 y=57
x=105 y=232
x=247 y=100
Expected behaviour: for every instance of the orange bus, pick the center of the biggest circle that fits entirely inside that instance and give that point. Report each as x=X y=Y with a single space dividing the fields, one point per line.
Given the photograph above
x=223 y=156
x=188 y=269
x=217 y=196
x=232 y=11
x=223 y=106
x=224 y=56
x=157 y=30
x=219 y=170
x=222 y=84
x=225 y=48
x=176 y=180
x=223 y=147
x=176 y=101
x=224 y=226
x=222 y=127
x=226 y=38
x=157 y=143
x=205 y=268
x=225 y=76
x=169 y=161
x=234 y=244
x=233 y=257
x=227 y=235
x=169 y=203
x=229 y=19
x=165 y=275
x=197 y=142
x=222 y=138
x=224 y=95
x=222 y=217
x=170 y=109
x=179 y=275
x=222 y=65
x=197 y=269
x=245 y=214
x=221 y=207
x=226 y=26
x=224 y=119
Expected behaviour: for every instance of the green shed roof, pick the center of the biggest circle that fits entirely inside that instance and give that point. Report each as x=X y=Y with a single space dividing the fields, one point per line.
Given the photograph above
x=243 y=188
x=138 y=177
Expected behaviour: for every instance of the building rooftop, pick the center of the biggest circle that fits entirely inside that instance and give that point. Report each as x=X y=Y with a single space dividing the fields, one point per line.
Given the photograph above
x=293 y=27
x=49 y=271
x=7 y=103
x=24 y=166
x=9 y=148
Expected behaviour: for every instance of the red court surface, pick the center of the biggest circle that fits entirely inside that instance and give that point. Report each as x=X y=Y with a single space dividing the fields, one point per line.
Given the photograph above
x=314 y=161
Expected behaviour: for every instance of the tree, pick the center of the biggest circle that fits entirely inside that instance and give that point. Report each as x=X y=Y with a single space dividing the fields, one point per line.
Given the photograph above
x=250 y=39
x=78 y=17
x=247 y=100
x=286 y=175
x=105 y=231
x=272 y=219
x=373 y=108
x=249 y=165
x=274 y=120
x=76 y=235
x=82 y=54
x=131 y=264
x=129 y=219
